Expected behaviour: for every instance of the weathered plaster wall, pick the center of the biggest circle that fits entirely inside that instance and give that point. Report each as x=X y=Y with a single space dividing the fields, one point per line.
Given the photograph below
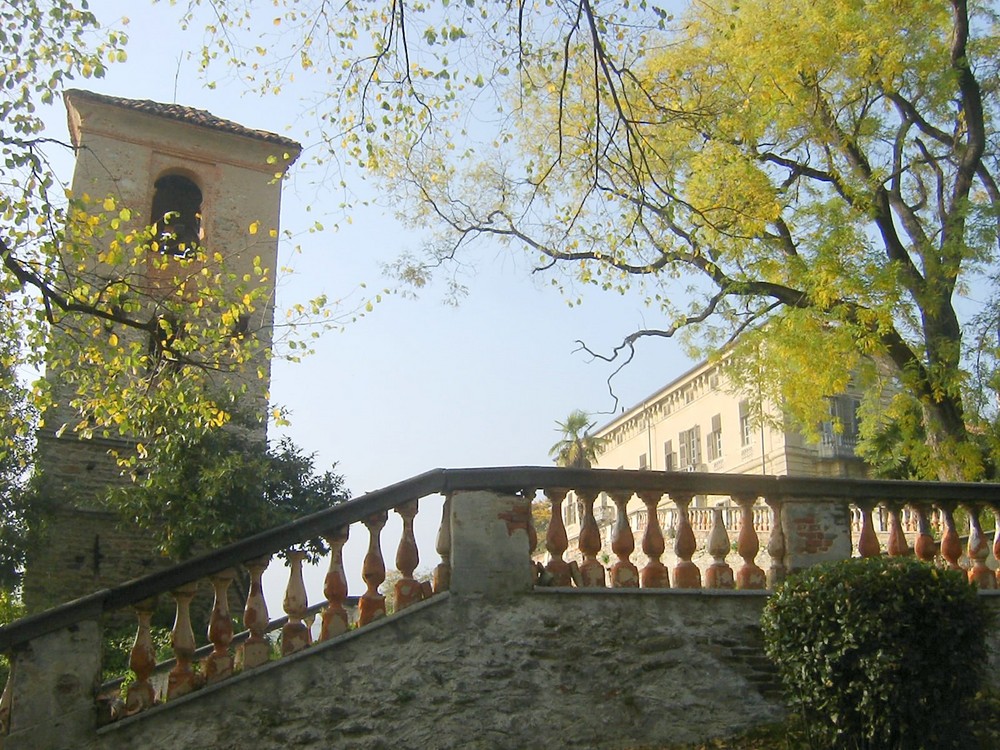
x=549 y=669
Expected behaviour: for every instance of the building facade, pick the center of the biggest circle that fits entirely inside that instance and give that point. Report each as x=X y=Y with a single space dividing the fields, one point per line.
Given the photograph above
x=198 y=181
x=700 y=422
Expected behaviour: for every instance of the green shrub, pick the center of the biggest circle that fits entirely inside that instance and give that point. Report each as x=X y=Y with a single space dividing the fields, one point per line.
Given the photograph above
x=879 y=654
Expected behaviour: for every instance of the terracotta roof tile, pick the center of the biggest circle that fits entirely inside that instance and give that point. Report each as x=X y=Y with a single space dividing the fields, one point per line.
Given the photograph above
x=199 y=117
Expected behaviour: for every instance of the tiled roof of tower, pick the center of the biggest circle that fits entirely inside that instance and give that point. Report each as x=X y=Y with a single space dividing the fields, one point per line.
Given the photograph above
x=199 y=117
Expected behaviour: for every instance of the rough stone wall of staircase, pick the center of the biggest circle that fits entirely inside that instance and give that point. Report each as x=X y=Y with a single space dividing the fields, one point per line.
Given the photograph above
x=548 y=669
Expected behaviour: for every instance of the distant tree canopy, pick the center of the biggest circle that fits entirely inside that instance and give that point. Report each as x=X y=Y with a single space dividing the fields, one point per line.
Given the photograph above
x=811 y=180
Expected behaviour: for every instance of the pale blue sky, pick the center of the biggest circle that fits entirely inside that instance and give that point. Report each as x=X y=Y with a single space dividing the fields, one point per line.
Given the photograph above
x=416 y=384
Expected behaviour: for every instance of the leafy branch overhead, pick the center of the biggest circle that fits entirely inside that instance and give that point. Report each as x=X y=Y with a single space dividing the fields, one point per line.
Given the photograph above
x=812 y=183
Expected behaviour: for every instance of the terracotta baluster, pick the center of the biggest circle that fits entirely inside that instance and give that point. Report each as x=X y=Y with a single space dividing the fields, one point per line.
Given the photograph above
x=295 y=633
x=335 y=620
x=776 y=546
x=896 y=546
x=407 y=589
x=555 y=540
x=256 y=649
x=718 y=575
x=181 y=680
x=442 y=573
x=654 y=573
x=979 y=550
x=996 y=539
x=868 y=545
x=686 y=573
x=372 y=604
x=624 y=573
x=951 y=545
x=592 y=573
x=750 y=575
x=142 y=661
x=218 y=665
x=923 y=546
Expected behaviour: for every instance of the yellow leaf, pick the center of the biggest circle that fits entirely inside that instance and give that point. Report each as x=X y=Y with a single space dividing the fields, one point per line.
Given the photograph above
x=254 y=227
x=113 y=340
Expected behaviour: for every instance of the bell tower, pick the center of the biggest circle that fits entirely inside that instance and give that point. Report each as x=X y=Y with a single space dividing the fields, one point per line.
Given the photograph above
x=200 y=182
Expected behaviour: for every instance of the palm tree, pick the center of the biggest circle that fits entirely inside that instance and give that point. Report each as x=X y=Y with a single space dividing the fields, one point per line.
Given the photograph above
x=578 y=448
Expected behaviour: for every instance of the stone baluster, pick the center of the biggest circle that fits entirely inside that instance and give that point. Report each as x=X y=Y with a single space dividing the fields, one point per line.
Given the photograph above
x=979 y=574
x=256 y=649
x=181 y=679
x=868 y=545
x=951 y=545
x=654 y=573
x=142 y=661
x=776 y=546
x=335 y=619
x=218 y=665
x=750 y=575
x=295 y=633
x=923 y=546
x=896 y=546
x=442 y=573
x=686 y=573
x=372 y=604
x=592 y=573
x=624 y=574
x=718 y=575
x=556 y=541
x=407 y=589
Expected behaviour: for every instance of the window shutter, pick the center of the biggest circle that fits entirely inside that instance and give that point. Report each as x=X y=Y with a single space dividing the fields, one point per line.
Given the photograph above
x=717 y=423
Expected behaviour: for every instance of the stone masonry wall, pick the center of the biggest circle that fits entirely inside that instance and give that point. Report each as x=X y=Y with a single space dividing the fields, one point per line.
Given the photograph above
x=82 y=548
x=548 y=669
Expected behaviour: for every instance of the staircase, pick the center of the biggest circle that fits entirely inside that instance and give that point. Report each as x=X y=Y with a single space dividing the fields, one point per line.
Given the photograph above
x=486 y=656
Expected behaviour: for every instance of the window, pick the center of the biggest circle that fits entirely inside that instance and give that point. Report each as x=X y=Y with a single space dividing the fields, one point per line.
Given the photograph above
x=746 y=425
x=669 y=457
x=570 y=511
x=690 y=447
x=842 y=429
x=715 y=439
x=643 y=462
x=176 y=215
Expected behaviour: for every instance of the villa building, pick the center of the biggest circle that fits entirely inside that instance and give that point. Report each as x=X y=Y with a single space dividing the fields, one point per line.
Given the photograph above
x=700 y=422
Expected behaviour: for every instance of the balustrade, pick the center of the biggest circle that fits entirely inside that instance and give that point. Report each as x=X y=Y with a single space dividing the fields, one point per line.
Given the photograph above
x=797 y=522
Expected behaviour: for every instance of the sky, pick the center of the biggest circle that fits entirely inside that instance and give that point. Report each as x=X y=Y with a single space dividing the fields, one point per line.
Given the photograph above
x=416 y=384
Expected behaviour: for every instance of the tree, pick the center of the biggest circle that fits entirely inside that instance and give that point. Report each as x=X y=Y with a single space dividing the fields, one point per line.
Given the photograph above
x=221 y=486
x=17 y=510
x=577 y=448
x=810 y=183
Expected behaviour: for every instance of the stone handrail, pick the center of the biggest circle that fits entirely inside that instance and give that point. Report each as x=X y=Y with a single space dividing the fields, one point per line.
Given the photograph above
x=484 y=543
